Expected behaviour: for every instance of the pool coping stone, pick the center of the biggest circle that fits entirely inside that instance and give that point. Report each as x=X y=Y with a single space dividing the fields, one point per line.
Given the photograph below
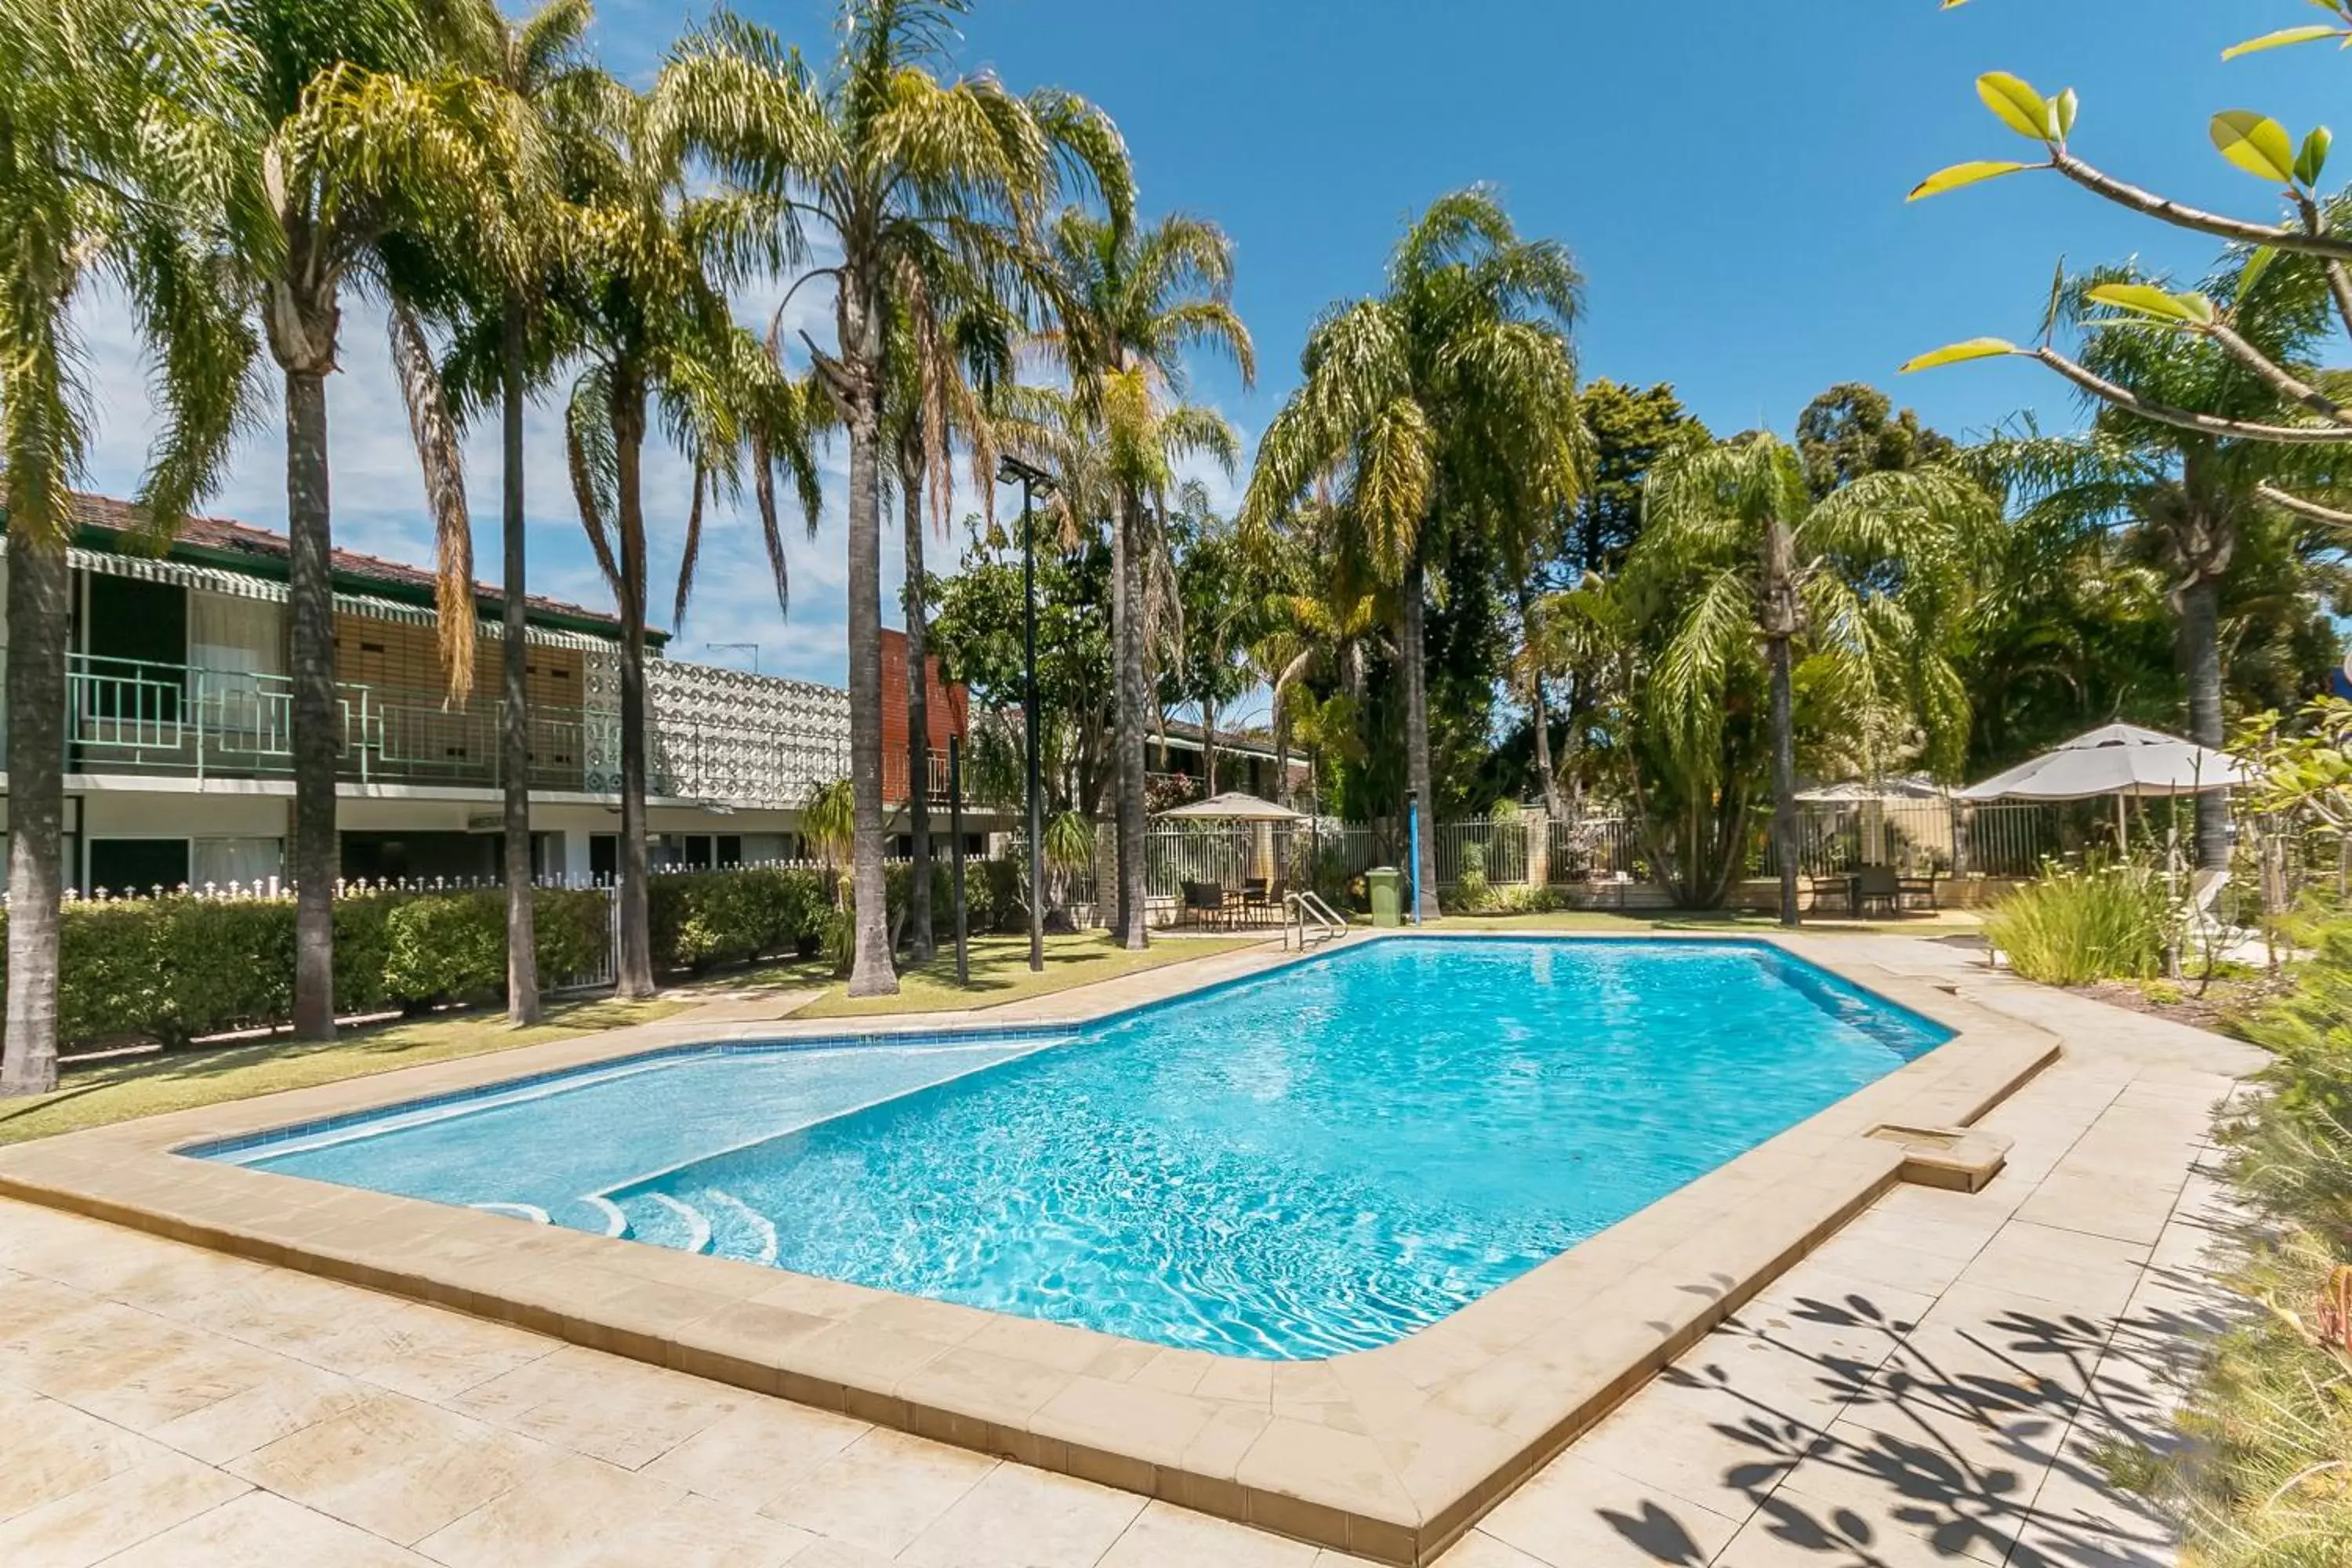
x=1390 y=1454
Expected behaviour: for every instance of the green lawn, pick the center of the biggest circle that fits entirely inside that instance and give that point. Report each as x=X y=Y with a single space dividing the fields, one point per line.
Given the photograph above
x=112 y=1092
x=1000 y=974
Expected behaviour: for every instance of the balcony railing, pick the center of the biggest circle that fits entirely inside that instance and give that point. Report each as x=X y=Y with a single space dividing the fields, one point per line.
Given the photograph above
x=129 y=716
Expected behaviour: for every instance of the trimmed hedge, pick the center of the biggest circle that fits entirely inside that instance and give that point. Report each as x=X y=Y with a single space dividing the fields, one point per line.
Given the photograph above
x=178 y=966
x=728 y=917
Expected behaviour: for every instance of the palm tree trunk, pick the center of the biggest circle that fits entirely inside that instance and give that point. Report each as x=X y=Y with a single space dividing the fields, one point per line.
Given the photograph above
x=636 y=959
x=1132 y=908
x=1545 y=776
x=919 y=724
x=514 y=733
x=2200 y=658
x=312 y=595
x=40 y=585
x=861 y=343
x=1207 y=748
x=1784 y=778
x=1420 y=779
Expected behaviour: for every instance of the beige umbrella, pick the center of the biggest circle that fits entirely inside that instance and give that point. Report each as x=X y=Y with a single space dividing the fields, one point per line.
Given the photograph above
x=1231 y=807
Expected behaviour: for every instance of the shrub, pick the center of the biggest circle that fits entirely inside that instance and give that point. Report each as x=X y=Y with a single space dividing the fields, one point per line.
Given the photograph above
x=2069 y=928
x=2261 y=1483
x=726 y=917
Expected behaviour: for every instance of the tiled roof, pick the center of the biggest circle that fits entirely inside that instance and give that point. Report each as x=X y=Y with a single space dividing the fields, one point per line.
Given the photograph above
x=267 y=554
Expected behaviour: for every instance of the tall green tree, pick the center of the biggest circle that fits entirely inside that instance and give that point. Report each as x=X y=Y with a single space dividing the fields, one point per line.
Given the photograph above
x=1223 y=601
x=895 y=167
x=364 y=129
x=1446 y=402
x=1852 y=429
x=1761 y=564
x=643 y=301
x=496 y=301
x=116 y=168
x=1128 y=306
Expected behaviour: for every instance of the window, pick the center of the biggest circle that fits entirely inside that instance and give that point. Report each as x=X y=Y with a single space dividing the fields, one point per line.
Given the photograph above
x=138 y=865
x=244 y=861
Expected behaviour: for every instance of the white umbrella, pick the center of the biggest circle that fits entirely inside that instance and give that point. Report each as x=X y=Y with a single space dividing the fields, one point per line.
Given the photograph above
x=1232 y=806
x=2115 y=759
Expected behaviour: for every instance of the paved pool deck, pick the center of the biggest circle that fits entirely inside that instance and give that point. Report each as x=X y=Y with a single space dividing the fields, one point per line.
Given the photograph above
x=1932 y=1384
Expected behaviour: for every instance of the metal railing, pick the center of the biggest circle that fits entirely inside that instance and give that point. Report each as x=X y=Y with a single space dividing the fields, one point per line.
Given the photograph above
x=1305 y=906
x=131 y=716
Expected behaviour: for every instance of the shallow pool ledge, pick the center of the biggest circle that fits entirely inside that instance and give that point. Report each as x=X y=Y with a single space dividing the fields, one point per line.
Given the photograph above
x=1390 y=1453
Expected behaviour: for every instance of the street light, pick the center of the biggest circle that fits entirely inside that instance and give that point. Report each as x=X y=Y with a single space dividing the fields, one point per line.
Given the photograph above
x=1034 y=481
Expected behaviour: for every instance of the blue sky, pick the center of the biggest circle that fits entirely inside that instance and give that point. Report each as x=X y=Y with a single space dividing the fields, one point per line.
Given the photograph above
x=1729 y=176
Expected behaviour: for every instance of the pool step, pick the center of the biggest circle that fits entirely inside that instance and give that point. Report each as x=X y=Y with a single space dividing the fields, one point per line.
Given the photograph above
x=666 y=1221
x=596 y=1215
x=739 y=1230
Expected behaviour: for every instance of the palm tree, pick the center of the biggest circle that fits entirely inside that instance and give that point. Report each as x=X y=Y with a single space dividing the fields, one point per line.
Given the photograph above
x=1758 y=559
x=945 y=357
x=1448 y=401
x=361 y=127
x=539 y=62
x=1130 y=304
x=2193 y=493
x=111 y=174
x=644 y=299
x=903 y=172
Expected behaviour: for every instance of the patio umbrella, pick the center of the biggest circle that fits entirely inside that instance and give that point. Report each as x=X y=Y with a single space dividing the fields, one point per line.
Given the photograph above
x=1232 y=806
x=2115 y=759
x=2120 y=760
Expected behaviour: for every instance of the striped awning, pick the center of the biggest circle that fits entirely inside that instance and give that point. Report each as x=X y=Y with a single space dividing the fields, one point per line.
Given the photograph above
x=242 y=585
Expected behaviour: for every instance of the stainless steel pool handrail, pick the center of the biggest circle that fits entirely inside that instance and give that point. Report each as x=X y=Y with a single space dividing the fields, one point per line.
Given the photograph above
x=1309 y=905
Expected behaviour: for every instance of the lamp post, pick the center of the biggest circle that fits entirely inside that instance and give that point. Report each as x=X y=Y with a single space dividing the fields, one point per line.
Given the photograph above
x=1034 y=481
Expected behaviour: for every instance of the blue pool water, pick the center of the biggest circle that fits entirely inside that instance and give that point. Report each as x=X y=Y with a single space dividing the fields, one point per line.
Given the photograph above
x=1322 y=1159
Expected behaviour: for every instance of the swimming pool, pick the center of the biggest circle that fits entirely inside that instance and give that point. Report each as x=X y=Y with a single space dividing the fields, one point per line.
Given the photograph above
x=1322 y=1159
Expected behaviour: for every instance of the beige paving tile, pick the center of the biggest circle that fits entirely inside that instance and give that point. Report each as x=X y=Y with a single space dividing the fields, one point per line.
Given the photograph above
x=1480 y=1550
x=1021 y=1518
x=262 y=1530
x=426 y=1352
x=1576 y=1513
x=55 y=1450
x=880 y=1492
x=2087 y=1273
x=1166 y=1536
x=395 y=1466
x=621 y=1412
x=701 y=1532
x=118 y=1512
x=757 y=1452
x=295 y=1395
x=561 y=1509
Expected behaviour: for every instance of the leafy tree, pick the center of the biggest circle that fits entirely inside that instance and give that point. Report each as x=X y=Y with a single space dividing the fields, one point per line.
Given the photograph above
x=555 y=94
x=1446 y=402
x=111 y=170
x=644 y=306
x=363 y=129
x=1852 y=430
x=906 y=174
x=1765 y=563
x=1630 y=432
x=1128 y=304
x=1222 y=604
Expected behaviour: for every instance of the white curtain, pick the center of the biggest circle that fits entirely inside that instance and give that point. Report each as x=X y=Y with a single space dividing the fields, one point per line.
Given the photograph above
x=231 y=634
x=246 y=861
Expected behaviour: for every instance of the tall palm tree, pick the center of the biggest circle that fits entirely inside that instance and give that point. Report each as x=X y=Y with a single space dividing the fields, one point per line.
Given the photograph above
x=1130 y=304
x=112 y=172
x=363 y=129
x=950 y=347
x=540 y=63
x=1446 y=401
x=2193 y=493
x=643 y=300
x=899 y=169
x=1760 y=561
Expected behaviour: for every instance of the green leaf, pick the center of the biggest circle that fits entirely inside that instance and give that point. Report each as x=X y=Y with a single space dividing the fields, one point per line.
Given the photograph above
x=2258 y=261
x=2312 y=160
x=2143 y=299
x=2257 y=144
x=2281 y=39
x=2063 y=112
x=1960 y=175
x=1957 y=354
x=2016 y=103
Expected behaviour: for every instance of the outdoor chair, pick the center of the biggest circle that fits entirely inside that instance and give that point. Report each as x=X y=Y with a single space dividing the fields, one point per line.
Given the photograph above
x=1868 y=885
x=1205 y=902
